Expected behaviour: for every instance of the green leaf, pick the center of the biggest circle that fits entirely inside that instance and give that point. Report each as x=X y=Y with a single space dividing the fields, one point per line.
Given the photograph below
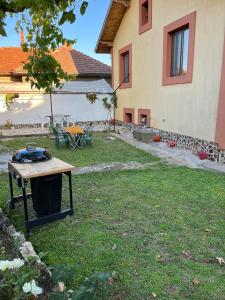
x=42 y=254
x=83 y=7
x=61 y=273
x=57 y=296
x=67 y=17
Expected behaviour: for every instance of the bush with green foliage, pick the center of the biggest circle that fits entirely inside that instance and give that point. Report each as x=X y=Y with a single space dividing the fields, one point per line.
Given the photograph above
x=9 y=99
x=15 y=275
x=95 y=287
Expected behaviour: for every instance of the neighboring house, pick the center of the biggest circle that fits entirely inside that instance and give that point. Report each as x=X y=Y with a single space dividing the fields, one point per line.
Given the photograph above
x=32 y=106
x=169 y=60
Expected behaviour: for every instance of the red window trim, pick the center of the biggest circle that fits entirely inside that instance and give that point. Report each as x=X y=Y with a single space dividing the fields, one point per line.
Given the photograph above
x=128 y=84
x=146 y=112
x=167 y=79
x=128 y=111
x=220 y=125
x=148 y=25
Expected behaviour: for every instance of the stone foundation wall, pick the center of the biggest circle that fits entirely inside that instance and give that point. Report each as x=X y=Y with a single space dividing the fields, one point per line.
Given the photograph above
x=190 y=143
x=195 y=145
x=46 y=125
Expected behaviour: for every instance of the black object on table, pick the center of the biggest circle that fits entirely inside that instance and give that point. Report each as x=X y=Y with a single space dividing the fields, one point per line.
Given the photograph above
x=46 y=190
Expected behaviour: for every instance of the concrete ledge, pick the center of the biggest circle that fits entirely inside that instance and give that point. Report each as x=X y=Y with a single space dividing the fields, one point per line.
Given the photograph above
x=144 y=135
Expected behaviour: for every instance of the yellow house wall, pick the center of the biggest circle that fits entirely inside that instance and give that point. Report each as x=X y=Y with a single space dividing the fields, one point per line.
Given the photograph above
x=190 y=108
x=4 y=79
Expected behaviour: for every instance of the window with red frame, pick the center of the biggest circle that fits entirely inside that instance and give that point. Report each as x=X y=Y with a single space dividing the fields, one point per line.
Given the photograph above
x=179 y=53
x=125 y=68
x=178 y=50
x=125 y=58
x=145 y=15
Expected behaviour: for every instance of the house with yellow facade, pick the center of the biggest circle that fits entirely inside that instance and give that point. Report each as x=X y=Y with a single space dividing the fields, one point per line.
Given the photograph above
x=168 y=60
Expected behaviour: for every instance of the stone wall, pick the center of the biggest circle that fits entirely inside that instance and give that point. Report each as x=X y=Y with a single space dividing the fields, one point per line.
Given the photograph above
x=195 y=145
x=25 y=249
x=187 y=142
x=46 y=125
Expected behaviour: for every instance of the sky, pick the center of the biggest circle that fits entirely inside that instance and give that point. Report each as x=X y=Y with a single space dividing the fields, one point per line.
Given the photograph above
x=86 y=30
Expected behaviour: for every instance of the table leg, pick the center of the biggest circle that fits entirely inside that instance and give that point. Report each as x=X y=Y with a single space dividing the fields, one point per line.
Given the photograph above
x=25 y=206
x=11 y=202
x=70 y=189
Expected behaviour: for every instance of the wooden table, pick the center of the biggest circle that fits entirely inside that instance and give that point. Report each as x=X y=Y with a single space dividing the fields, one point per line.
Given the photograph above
x=27 y=171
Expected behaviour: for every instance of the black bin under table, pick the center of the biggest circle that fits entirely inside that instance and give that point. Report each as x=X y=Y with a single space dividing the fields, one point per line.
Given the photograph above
x=46 y=190
x=46 y=194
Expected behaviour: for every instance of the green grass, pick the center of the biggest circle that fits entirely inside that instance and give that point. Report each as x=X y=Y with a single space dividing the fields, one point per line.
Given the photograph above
x=102 y=151
x=167 y=224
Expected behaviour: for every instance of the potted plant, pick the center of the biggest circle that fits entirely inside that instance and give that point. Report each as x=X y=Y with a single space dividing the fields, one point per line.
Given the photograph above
x=156 y=138
x=171 y=144
x=202 y=155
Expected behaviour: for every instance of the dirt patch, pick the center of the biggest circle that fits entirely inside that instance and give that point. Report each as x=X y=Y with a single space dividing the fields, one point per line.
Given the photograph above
x=115 y=166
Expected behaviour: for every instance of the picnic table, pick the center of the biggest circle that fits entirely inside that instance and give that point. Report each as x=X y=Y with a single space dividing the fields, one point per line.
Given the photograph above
x=32 y=171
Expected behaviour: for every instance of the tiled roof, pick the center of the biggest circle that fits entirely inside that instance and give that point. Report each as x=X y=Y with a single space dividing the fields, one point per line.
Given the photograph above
x=87 y=65
x=11 y=58
x=63 y=56
x=73 y=62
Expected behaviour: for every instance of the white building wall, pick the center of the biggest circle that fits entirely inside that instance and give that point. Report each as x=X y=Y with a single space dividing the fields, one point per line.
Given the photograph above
x=33 y=109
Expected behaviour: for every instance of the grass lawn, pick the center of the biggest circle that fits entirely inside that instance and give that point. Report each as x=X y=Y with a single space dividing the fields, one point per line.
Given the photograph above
x=160 y=230
x=103 y=151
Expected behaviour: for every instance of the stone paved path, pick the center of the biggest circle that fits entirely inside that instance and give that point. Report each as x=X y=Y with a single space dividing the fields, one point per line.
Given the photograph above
x=174 y=156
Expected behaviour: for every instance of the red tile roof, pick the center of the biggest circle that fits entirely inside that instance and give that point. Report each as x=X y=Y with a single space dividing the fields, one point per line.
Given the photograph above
x=11 y=58
x=63 y=56
x=87 y=65
x=72 y=61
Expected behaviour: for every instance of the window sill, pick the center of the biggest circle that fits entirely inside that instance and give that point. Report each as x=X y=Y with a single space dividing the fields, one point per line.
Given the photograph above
x=144 y=28
x=126 y=85
x=181 y=79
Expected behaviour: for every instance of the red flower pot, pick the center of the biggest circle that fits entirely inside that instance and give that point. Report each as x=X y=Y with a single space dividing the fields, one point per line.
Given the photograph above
x=171 y=144
x=156 y=138
x=202 y=155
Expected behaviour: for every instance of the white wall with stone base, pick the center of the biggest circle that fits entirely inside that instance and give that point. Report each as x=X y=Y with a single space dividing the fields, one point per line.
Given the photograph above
x=33 y=109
